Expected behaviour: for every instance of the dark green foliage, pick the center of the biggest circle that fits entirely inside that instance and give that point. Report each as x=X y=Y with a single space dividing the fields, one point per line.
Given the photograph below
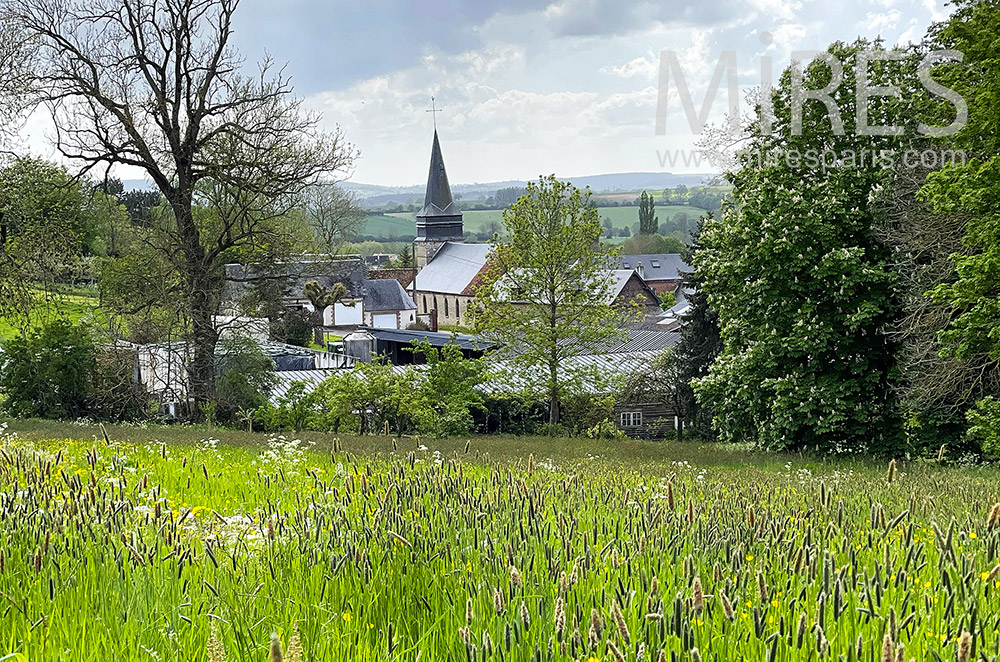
x=699 y=345
x=49 y=374
x=246 y=378
x=648 y=222
x=294 y=327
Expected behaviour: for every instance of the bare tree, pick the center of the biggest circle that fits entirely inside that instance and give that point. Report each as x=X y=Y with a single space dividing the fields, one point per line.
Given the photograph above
x=16 y=79
x=335 y=216
x=156 y=85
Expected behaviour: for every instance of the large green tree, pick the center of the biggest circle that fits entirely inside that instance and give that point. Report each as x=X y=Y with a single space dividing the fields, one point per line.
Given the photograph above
x=967 y=195
x=800 y=281
x=545 y=291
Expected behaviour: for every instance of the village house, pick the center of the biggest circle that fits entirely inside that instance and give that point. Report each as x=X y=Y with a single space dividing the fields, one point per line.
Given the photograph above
x=662 y=272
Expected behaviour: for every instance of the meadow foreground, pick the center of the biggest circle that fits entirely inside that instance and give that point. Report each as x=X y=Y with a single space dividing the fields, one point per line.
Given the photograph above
x=437 y=551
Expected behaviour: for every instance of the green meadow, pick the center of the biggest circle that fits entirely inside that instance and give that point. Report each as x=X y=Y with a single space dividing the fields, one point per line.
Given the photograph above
x=401 y=224
x=187 y=543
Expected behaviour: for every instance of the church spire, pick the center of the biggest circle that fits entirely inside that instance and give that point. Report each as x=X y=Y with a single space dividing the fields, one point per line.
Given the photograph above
x=437 y=199
x=440 y=219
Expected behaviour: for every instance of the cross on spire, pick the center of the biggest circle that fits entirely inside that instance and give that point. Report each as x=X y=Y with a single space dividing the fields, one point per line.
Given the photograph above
x=434 y=110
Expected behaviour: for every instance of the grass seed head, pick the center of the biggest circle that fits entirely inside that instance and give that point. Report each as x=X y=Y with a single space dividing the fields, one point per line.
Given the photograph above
x=697 y=595
x=615 y=653
x=891 y=472
x=525 y=616
x=727 y=608
x=886 y=649
x=214 y=649
x=515 y=578
x=294 y=652
x=498 y=602
x=275 y=653
x=964 y=647
x=616 y=615
x=993 y=520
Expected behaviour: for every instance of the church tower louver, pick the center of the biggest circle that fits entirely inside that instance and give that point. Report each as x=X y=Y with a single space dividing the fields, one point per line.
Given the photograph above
x=440 y=220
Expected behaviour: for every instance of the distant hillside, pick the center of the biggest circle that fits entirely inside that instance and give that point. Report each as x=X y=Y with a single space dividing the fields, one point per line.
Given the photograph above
x=373 y=195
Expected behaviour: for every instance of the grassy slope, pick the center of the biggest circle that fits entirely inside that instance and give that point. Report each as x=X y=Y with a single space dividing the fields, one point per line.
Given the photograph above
x=75 y=305
x=378 y=548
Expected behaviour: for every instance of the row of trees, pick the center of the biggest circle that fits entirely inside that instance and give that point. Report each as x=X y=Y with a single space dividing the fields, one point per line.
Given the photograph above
x=856 y=299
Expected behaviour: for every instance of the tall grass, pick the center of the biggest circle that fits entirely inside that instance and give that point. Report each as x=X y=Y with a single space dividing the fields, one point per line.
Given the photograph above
x=166 y=552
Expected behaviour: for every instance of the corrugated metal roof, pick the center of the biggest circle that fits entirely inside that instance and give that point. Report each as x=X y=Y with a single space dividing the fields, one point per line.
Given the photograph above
x=646 y=340
x=453 y=268
x=312 y=379
x=435 y=338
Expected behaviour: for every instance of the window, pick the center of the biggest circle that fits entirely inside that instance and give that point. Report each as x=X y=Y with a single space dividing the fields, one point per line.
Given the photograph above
x=631 y=419
x=656 y=265
x=446 y=306
x=435 y=303
x=425 y=303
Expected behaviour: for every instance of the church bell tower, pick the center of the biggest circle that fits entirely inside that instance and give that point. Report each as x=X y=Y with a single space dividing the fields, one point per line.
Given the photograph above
x=440 y=220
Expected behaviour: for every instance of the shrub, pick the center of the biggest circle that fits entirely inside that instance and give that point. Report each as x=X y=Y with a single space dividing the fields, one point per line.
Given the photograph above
x=50 y=373
x=984 y=421
x=246 y=380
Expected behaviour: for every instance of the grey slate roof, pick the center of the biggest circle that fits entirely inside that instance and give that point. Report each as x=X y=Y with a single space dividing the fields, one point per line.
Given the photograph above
x=453 y=268
x=386 y=294
x=292 y=277
x=664 y=266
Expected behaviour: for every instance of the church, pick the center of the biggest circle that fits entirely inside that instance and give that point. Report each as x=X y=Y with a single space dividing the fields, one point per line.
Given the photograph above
x=448 y=269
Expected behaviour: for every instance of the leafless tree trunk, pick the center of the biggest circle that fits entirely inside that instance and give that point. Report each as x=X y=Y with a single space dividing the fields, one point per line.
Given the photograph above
x=156 y=85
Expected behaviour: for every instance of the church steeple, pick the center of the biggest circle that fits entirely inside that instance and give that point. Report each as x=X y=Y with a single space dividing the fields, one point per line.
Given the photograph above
x=440 y=220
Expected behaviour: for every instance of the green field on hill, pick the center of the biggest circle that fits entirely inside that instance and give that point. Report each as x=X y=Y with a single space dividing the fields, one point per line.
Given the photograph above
x=401 y=224
x=188 y=543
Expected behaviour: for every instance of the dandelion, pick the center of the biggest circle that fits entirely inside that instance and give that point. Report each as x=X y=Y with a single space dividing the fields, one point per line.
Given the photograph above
x=275 y=654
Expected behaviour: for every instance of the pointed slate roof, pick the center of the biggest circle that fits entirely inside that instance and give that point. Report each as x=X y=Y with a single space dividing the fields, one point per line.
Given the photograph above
x=437 y=199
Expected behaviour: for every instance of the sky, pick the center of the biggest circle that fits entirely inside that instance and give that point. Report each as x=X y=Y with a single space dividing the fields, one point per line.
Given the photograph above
x=532 y=87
